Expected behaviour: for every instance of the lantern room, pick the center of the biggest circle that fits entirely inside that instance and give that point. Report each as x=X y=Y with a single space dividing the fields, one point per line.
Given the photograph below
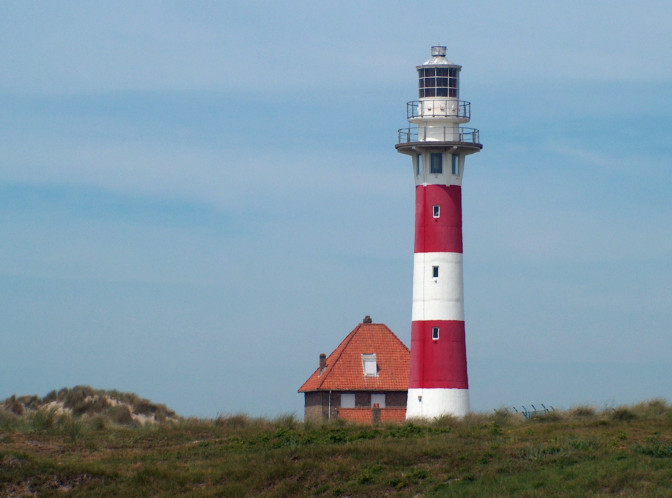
x=438 y=77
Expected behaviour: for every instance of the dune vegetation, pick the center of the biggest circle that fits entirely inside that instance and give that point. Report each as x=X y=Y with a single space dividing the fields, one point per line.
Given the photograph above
x=46 y=451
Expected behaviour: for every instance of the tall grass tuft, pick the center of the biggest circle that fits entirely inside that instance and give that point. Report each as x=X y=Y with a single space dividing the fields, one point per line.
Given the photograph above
x=238 y=421
x=287 y=421
x=43 y=419
x=623 y=414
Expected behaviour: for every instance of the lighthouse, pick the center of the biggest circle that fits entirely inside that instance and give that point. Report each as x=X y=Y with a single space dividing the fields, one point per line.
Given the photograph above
x=438 y=146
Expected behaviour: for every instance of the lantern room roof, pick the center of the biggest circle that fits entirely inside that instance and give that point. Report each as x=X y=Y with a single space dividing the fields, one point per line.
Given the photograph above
x=439 y=58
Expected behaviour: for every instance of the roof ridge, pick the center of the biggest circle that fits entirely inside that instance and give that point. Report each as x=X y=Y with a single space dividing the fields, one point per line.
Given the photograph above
x=343 y=343
x=395 y=336
x=341 y=368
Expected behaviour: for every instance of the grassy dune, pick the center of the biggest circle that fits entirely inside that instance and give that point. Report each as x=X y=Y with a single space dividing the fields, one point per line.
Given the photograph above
x=625 y=451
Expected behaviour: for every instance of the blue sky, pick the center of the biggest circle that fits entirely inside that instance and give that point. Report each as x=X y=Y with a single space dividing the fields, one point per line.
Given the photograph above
x=198 y=198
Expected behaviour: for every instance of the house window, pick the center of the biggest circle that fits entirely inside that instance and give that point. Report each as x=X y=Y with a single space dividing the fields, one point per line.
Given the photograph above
x=435 y=272
x=456 y=164
x=436 y=210
x=370 y=365
x=377 y=400
x=347 y=400
x=436 y=166
x=435 y=333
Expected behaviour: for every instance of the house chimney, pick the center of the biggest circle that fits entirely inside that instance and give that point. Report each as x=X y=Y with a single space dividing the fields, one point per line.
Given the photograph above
x=323 y=362
x=367 y=319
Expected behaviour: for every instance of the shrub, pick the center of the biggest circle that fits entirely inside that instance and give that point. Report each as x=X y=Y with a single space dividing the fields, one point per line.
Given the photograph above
x=445 y=421
x=51 y=396
x=14 y=406
x=623 y=414
x=74 y=398
x=44 y=419
x=288 y=421
x=550 y=416
x=99 y=423
x=503 y=417
x=654 y=448
x=144 y=407
x=8 y=420
x=120 y=414
x=233 y=421
x=656 y=408
x=582 y=411
x=91 y=405
x=30 y=402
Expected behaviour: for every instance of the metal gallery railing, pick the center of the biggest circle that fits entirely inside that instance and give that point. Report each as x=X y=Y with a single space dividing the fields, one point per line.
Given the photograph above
x=439 y=134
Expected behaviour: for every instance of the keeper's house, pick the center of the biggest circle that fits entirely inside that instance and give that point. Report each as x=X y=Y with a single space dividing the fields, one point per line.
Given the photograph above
x=364 y=380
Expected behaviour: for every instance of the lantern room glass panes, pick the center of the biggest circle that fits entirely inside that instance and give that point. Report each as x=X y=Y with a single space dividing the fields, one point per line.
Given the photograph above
x=439 y=82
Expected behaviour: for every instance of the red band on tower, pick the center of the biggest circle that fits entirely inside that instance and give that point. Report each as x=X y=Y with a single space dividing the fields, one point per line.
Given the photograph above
x=438 y=363
x=442 y=232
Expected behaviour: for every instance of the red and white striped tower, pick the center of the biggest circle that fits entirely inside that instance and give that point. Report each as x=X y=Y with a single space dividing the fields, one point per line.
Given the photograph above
x=437 y=143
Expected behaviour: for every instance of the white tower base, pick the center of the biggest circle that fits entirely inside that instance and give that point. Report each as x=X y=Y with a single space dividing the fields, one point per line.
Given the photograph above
x=435 y=403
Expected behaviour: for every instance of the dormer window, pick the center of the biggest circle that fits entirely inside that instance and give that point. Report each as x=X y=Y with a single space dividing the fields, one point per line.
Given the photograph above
x=370 y=365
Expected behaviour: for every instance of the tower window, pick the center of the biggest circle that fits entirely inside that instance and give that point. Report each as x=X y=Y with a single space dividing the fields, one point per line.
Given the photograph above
x=435 y=272
x=418 y=165
x=436 y=166
x=456 y=164
x=436 y=211
x=435 y=333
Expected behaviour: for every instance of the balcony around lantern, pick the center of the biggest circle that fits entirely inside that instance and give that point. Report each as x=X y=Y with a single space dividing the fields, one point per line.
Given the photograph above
x=467 y=138
x=455 y=110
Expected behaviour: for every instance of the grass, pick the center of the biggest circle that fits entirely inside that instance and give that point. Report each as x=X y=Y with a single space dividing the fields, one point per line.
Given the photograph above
x=625 y=451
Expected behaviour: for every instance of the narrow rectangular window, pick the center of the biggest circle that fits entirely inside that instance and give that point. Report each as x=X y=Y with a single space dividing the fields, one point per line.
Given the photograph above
x=435 y=333
x=418 y=165
x=435 y=272
x=456 y=164
x=436 y=165
x=436 y=211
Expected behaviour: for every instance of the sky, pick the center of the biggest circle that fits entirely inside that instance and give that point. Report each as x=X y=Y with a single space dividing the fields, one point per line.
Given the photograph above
x=198 y=198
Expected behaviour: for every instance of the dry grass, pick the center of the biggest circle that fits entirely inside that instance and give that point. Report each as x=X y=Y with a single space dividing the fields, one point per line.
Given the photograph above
x=84 y=401
x=583 y=451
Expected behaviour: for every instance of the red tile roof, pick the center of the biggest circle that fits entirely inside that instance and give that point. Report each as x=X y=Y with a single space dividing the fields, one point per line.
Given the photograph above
x=344 y=370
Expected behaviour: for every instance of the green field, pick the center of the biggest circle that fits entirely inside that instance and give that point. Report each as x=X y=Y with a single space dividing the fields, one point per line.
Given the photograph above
x=625 y=451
